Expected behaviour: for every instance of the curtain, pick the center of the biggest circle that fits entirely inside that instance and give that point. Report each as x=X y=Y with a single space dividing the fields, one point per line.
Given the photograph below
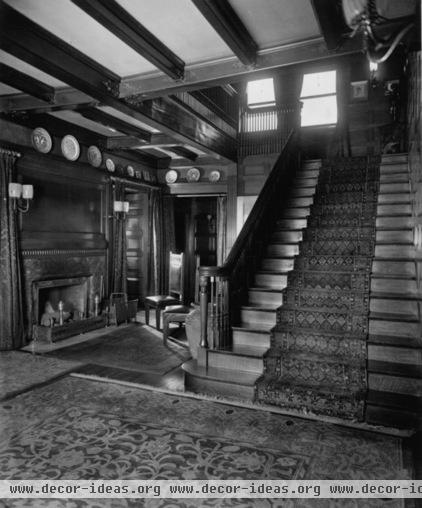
x=221 y=229
x=341 y=141
x=161 y=240
x=119 y=261
x=11 y=320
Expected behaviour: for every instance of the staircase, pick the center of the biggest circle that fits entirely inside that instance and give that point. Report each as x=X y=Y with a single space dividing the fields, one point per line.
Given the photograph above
x=395 y=329
x=234 y=372
x=319 y=352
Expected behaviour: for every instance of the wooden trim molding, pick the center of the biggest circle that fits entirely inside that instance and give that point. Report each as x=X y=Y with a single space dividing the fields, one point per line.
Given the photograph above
x=40 y=253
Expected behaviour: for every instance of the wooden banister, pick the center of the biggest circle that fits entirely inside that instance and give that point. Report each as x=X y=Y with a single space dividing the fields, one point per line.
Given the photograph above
x=223 y=288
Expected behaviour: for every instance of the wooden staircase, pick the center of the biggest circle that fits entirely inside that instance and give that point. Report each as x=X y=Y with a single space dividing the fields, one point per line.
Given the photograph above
x=395 y=328
x=394 y=346
x=234 y=372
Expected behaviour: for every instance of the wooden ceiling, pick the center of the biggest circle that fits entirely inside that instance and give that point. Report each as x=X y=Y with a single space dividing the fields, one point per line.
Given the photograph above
x=134 y=74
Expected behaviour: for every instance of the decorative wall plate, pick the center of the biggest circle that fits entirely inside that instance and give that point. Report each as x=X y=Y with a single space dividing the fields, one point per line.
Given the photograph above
x=193 y=175
x=70 y=147
x=130 y=171
x=138 y=174
x=171 y=176
x=146 y=175
x=214 y=176
x=94 y=156
x=110 y=165
x=41 y=140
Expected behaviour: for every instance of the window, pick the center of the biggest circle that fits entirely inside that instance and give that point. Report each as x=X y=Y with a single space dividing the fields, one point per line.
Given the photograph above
x=260 y=93
x=319 y=99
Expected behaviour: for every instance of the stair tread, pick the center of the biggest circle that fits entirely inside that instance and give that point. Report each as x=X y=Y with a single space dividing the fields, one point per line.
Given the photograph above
x=395 y=296
x=259 y=308
x=397 y=400
x=395 y=341
x=395 y=369
x=265 y=289
x=246 y=328
x=239 y=377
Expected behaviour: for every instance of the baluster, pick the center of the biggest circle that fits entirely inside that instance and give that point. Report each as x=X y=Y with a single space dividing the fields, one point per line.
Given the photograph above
x=203 y=301
x=212 y=342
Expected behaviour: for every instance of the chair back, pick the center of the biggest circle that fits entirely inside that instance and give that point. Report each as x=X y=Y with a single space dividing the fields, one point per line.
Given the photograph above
x=176 y=275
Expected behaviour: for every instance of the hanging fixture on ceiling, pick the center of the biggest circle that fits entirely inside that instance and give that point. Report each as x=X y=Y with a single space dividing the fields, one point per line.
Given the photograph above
x=364 y=17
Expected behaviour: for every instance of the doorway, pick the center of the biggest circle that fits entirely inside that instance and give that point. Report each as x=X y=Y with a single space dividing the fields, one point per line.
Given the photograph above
x=136 y=243
x=196 y=236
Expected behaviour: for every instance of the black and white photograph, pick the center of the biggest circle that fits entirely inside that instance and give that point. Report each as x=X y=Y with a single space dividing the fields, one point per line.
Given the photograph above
x=210 y=254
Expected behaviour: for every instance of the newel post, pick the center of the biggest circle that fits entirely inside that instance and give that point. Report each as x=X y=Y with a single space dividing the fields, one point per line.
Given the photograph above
x=203 y=301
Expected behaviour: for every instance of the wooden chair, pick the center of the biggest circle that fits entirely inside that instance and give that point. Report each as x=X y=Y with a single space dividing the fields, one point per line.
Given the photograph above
x=175 y=298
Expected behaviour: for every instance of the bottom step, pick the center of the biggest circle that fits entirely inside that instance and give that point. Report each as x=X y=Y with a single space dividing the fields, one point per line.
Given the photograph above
x=219 y=382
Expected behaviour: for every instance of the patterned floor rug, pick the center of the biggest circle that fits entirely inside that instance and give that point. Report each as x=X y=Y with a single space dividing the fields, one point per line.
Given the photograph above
x=134 y=348
x=75 y=428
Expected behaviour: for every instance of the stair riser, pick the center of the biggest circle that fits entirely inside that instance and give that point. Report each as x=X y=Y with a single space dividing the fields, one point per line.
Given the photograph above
x=394 y=158
x=399 y=236
x=235 y=362
x=287 y=250
x=302 y=192
x=394 y=177
x=277 y=264
x=295 y=213
x=394 y=328
x=394 y=198
x=396 y=355
x=291 y=223
x=394 y=268
x=394 y=187
x=398 y=167
x=257 y=317
x=245 y=338
x=395 y=286
x=300 y=202
x=389 y=306
x=388 y=210
x=271 y=281
x=307 y=173
x=287 y=236
x=394 y=384
x=305 y=182
x=394 y=222
x=218 y=388
x=395 y=252
x=264 y=299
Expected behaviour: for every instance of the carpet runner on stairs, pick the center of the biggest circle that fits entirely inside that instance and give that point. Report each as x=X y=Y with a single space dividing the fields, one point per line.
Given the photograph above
x=317 y=359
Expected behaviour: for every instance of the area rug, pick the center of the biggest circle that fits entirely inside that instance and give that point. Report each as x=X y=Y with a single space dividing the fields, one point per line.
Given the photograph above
x=21 y=371
x=76 y=428
x=134 y=348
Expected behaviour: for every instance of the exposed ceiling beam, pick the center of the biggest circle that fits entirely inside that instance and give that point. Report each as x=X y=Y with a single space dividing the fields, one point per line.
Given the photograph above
x=31 y=43
x=229 y=71
x=57 y=126
x=27 y=84
x=223 y=18
x=123 y=143
x=331 y=21
x=183 y=152
x=65 y=98
x=110 y=121
x=116 y=19
x=144 y=158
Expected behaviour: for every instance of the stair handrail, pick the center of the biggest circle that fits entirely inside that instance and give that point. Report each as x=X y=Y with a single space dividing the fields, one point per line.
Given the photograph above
x=224 y=293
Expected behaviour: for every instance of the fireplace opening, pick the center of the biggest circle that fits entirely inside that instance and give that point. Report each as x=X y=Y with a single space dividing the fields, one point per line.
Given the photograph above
x=58 y=301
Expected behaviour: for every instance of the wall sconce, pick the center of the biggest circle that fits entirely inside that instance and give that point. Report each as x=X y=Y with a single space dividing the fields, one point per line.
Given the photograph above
x=19 y=193
x=120 y=209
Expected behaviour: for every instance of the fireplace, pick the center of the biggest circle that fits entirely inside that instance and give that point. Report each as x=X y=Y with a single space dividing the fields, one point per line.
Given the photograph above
x=72 y=292
x=61 y=308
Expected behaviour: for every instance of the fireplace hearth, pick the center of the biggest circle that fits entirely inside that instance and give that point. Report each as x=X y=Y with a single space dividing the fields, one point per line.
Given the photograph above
x=61 y=308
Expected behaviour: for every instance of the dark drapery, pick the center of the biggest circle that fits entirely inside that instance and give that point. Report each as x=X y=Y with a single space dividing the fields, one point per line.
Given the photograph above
x=11 y=311
x=161 y=241
x=119 y=262
x=341 y=140
x=221 y=229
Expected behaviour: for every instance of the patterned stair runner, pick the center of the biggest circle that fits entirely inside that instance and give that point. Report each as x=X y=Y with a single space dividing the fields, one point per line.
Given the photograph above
x=317 y=359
